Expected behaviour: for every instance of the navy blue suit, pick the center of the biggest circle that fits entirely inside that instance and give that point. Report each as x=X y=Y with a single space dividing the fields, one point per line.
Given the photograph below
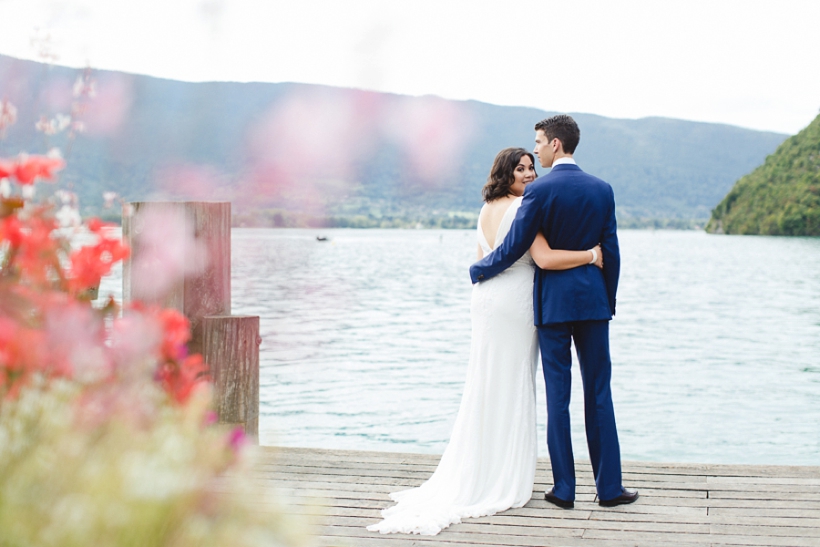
x=575 y=211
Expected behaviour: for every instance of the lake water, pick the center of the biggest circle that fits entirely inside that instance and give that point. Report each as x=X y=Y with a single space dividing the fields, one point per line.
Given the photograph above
x=716 y=345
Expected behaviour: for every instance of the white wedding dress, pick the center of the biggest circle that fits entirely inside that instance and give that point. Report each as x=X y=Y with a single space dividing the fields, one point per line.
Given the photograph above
x=489 y=464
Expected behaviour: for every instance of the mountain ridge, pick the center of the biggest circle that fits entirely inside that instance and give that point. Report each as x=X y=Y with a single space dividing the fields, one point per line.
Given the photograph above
x=413 y=156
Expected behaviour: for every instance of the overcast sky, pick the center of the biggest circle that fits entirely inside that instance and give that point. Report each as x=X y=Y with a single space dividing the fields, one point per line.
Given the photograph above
x=750 y=63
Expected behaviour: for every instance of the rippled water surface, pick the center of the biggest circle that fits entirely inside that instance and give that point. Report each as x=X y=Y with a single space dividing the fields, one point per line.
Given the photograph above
x=716 y=345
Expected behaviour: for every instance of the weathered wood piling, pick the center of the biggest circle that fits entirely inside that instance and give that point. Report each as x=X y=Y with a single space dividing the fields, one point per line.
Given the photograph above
x=191 y=241
x=194 y=237
x=231 y=349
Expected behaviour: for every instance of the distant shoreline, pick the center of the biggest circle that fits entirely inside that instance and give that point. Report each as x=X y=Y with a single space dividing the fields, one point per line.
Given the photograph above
x=452 y=223
x=447 y=221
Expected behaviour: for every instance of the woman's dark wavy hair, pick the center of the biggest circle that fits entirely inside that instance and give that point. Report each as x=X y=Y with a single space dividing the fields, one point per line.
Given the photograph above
x=502 y=175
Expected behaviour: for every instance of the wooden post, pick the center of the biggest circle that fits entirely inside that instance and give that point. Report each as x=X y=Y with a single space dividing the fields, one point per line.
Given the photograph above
x=197 y=232
x=231 y=349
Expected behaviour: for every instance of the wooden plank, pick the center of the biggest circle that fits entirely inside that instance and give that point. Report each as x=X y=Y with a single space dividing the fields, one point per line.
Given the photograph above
x=582 y=467
x=412 y=474
x=766 y=530
x=375 y=477
x=763 y=512
x=385 y=486
x=540 y=507
x=457 y=533
x=769 y=481
x=441 y=541
x=731 y=518
x=765 y=495
x=536 y=526
x=638 y=538
x=413 y=478
x=397 y=540
x=755 y=487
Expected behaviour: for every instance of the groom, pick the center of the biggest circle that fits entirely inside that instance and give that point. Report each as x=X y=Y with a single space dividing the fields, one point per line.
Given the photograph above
x=575 y=211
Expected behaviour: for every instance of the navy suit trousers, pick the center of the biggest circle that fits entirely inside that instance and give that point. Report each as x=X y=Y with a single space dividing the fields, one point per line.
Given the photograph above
x=592 y=347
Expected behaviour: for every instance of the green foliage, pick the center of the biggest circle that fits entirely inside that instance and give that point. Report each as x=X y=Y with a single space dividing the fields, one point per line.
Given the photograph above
x=781 y=197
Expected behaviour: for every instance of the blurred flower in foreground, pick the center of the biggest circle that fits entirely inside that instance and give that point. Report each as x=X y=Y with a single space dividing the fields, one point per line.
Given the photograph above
x=8 y=116
x=168 y=251
x=432 y=133
x=427 y=135
x=68 y=481
x=107 y=437
x=68 y=215
x=54 y=125
x=27 y=169
x=109 y=198
x=108 y=112
x=85 y=86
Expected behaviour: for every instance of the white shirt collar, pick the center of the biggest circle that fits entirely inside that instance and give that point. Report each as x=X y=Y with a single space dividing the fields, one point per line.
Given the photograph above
x=561 y=161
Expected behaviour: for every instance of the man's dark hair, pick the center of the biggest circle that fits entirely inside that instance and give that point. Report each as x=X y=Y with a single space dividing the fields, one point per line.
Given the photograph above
x=563 y=128
x=502 y=174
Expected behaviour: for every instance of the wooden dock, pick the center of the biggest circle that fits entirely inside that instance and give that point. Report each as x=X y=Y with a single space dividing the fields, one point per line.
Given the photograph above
x=680 y=505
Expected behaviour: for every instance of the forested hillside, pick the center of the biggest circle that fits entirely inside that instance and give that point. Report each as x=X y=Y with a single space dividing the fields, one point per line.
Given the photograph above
x=296 y=153
x=781 y=197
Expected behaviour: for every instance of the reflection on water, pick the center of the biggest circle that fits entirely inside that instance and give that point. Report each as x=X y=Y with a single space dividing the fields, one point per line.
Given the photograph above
x=716 y=345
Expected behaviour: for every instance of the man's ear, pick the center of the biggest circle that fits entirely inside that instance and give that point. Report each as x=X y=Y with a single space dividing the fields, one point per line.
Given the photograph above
x=557 y=146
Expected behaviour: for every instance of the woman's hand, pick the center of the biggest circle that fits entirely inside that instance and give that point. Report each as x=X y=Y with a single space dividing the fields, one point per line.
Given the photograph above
x=600 y=256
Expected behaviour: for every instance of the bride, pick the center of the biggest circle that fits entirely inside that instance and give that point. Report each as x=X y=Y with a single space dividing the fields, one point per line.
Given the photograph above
x=489 y=463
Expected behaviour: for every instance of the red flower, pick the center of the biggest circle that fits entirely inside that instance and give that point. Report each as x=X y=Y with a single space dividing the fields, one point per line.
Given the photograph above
x=35 y=257
x=21 y=356
x=11 y=230
x=179 y=379
x=176 y=333
x=8 y=332
x=90 y=263
x=96 y=225
x=30 y=168
x=7 y=168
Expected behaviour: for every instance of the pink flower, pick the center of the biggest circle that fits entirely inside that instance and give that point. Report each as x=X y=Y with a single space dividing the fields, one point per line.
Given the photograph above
x=237 y=439
x=8 y=114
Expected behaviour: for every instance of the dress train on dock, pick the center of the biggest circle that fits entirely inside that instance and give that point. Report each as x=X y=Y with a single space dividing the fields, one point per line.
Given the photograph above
x=489 y=463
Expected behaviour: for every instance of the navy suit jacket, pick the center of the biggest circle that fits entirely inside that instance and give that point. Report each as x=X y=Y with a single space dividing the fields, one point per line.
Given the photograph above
x=575 y=211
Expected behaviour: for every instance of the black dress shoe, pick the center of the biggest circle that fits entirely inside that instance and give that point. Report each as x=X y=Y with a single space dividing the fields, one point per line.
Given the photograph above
x=628 y=496
x=555 y=500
